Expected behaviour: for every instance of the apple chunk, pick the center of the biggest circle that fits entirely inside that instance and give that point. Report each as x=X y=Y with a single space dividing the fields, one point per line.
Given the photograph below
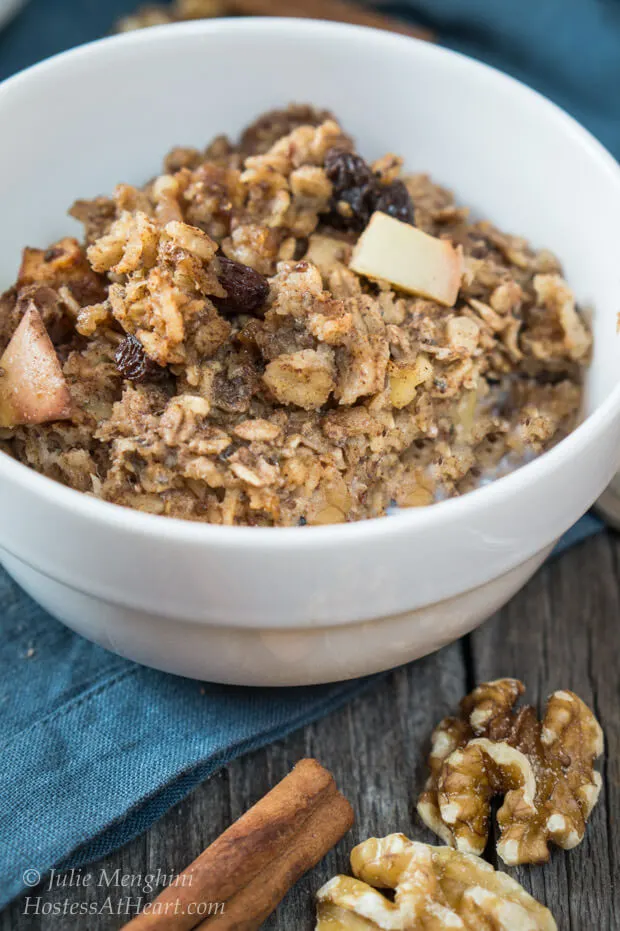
x=409 y=259
x=32 y=386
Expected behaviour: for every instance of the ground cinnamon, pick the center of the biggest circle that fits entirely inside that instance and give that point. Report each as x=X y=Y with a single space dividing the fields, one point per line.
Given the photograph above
x=252 y=865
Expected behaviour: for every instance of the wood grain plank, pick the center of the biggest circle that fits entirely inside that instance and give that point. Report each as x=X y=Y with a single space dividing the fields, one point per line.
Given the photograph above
x=191 y=827
x=375 y=748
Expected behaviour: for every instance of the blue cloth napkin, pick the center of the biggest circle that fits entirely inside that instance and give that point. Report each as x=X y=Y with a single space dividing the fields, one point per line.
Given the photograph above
x=94 y=748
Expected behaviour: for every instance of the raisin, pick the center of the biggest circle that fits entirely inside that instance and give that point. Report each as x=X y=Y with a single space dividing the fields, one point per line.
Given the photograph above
x=354 y=186
x=358 y=192
x=347 y=170
x=246 y=289
x=361 y=201
x=133 y=362
x=395 y=200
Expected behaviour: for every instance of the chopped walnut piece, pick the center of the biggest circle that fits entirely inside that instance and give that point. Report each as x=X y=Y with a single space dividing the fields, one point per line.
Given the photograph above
x=305 y=378
x=192 y=239
x=310 y=186
x=544 y=771
x=130 y=244
x=506 y=297
x=90 y=318
x=297 y=290
x=387 y=168
x=556 y=297
x=304 y=145
x=181 y=418
x=362 y=362
x=166 y=192
x=327 y=253
x=254 y=245
x=435 y=888
x=162 y=277
x=463 y=333
x=287 y=186
x=261 y=135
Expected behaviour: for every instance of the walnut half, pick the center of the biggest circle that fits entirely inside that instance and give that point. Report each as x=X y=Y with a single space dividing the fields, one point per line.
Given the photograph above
x=435 y=888
x=545 y=771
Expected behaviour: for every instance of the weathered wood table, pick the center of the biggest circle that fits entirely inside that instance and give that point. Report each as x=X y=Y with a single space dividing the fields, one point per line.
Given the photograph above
x=562 y=631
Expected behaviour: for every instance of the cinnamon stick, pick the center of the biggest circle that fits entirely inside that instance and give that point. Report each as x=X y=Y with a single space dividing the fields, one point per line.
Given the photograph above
x=252 y=905
x=251 y=866
x=342 y=11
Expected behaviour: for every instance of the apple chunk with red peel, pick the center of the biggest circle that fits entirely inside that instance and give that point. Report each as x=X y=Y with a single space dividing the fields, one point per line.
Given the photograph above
x=32 y=386
x=409 y=259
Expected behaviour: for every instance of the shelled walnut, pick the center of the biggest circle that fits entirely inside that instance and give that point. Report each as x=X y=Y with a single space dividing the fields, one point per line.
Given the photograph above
x=435 y=888
x=544 y=770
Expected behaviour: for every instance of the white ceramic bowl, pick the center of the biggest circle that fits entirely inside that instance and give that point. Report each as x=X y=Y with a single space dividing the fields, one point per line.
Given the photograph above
x=312 y=604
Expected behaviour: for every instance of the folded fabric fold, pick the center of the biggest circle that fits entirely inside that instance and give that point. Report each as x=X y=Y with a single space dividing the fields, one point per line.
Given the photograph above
x=96 y=748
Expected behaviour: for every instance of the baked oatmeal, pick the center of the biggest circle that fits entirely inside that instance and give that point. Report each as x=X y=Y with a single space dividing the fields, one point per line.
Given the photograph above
x=276 y=332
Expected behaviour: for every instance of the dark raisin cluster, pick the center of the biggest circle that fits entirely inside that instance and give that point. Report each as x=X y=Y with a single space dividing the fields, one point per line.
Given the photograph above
x=246 y=289
x=358 y=192
x=133 y=362
x=394 y=199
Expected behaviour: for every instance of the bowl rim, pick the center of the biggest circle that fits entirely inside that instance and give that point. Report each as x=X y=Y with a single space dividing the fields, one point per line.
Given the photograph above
x=409 y=520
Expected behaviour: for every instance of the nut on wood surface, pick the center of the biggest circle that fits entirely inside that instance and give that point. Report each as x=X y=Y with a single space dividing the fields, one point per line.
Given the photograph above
x=434 y=888
x=560 y=630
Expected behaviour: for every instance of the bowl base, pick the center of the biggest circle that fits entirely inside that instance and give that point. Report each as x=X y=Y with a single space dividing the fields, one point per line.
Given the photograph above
x=255 y=657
